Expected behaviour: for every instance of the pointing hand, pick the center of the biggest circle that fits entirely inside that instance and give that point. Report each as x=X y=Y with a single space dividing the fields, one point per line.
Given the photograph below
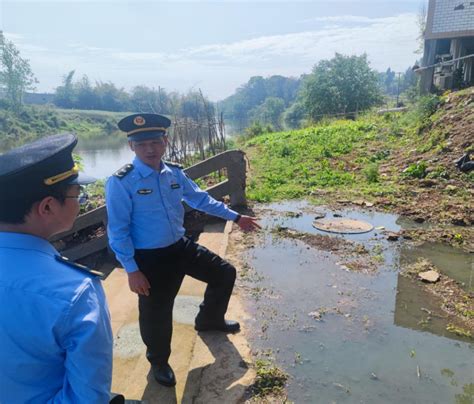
x=248 y=223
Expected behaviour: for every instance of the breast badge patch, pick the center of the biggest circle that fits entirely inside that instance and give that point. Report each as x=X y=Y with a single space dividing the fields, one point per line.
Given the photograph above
x=144 y=191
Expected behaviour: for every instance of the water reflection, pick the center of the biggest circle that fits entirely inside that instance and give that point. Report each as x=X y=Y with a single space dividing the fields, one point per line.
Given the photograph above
x=102 y=158
x=451 y=261
x=371 y=344
x=417 y=309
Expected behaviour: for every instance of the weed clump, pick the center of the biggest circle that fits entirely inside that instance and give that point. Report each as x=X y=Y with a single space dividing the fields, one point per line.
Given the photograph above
x=270 y=380
x=416 y=170
x=371 y=173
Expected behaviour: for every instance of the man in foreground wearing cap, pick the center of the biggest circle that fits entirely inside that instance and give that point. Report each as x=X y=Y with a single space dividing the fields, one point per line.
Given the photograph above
x=145 y=229
x=55 y=335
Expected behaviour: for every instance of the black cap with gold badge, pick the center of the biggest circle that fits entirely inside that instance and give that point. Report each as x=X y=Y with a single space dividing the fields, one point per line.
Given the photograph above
x=30 y=170
x=144 y=126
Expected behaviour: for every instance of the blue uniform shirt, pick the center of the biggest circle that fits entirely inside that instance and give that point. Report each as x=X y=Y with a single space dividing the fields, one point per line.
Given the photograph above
x=55 y=335
x=145 y=209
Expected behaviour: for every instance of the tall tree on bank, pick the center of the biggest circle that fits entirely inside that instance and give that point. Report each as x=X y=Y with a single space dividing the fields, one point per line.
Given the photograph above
x=342 y=85
x=16 y=75
x=64 y=96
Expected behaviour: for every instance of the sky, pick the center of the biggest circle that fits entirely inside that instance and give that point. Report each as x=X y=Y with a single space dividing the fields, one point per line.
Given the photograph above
x=215 y=46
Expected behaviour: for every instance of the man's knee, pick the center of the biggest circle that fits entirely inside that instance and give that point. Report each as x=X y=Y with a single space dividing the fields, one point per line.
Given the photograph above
x=230 y=273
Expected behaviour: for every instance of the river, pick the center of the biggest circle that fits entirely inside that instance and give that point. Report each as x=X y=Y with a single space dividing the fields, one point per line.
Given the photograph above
x=102 y=159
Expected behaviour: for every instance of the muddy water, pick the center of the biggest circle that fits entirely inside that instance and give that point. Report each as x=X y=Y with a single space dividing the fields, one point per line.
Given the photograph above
x=367 y=339
x=455 y=263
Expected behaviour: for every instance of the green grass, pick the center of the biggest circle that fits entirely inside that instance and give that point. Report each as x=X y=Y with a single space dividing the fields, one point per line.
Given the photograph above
x=293 y=164
x=344 y=157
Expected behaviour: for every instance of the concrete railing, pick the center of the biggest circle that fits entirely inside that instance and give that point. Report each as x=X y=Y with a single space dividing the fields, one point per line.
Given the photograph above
x=232 y=161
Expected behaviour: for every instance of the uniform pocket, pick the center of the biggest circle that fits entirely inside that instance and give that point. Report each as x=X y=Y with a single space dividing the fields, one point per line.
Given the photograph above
x=146 y=202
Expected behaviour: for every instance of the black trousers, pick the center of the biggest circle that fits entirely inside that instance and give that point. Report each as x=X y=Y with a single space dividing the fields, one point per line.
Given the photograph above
x=165 y=269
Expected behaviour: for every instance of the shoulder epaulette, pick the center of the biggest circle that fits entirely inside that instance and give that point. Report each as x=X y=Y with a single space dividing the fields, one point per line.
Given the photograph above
x=169 y=163
x=80 y=267
x=123 y=171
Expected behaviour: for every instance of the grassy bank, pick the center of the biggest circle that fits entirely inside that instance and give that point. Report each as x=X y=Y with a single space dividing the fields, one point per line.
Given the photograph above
x=299 y=163
x=401 y=162
x=34 y=122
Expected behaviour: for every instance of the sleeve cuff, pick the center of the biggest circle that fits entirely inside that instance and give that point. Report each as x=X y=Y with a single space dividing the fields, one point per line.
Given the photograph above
x=130 y=266
x=233 y=215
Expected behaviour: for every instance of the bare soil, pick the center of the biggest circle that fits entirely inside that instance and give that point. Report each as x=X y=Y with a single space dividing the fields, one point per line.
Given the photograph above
x=445 y=197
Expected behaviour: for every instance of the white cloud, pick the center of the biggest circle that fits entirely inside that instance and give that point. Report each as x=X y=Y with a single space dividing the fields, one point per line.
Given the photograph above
x=344 y=19
x=220 y=67
x=397 y=34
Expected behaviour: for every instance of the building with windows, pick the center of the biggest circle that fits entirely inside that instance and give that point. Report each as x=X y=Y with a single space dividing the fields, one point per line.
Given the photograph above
x=448 y=59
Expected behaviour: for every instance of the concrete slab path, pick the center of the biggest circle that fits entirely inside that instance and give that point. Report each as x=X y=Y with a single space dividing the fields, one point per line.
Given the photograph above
x=210 y=367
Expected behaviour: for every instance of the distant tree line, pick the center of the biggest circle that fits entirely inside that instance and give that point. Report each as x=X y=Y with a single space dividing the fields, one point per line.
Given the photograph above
x=105 y=96
x=341 y=86
x=197 y=129
x=395 y=83
x=262 y=100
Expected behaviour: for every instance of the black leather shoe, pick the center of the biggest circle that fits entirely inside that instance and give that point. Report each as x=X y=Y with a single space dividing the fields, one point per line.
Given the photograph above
x=164 y=375
x=225 y=326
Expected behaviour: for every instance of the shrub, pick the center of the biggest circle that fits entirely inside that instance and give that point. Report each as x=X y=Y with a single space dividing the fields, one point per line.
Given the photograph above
x=257 y=129
x=416 y=170
x=371 y=173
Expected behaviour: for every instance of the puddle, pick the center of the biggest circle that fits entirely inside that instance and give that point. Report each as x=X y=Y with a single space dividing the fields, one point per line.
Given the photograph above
x=348 y=337
x=451 y=261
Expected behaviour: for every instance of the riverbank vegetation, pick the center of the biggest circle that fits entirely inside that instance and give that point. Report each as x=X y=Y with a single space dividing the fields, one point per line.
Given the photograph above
x=341 y=86
x=402 y=162
x=33 y=122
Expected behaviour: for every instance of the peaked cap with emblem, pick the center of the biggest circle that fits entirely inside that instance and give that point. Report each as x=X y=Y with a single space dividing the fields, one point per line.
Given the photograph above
x=144 y=126
x=30 y=170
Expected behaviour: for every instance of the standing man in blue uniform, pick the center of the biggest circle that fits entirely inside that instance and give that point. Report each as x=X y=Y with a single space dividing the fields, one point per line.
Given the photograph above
x=144 y=205
x=55 y=335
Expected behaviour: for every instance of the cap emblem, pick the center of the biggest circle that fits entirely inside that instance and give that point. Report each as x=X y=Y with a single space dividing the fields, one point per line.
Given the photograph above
x=139 y=121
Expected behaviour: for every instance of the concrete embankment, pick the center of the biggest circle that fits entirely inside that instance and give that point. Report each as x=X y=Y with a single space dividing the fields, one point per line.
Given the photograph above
x=210 y=367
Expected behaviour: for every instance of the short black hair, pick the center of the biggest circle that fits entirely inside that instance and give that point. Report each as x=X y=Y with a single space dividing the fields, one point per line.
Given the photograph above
x=14 y=211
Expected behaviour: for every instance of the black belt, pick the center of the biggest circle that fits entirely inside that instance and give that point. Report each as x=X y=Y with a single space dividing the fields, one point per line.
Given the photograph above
x=163 y=251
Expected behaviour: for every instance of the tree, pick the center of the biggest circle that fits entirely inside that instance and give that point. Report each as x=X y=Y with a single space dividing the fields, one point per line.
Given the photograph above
x=85 y=95
x=388 y=82
x=421 y=22
x=110 y=98
x=269 y=112
x=16 y=75
x=244 y=104
x=342 y=85
x=144 y=99
x=64 y=96
x=295 y=115
x=410 y=79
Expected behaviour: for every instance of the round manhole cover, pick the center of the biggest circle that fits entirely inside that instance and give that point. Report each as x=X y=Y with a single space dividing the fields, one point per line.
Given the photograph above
x=341 y=225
